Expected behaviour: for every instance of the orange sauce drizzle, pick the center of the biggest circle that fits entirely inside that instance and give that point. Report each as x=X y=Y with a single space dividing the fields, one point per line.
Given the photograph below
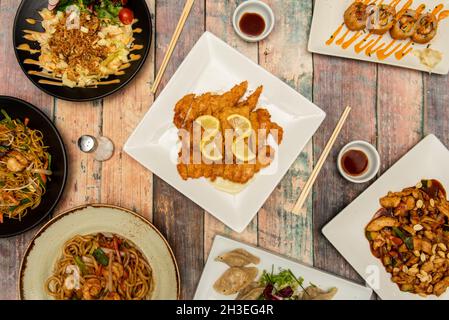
x=137 y=30
x=104 y=83
x=31 y=61
x=26 y=47
x=334 y=35
x=124 y=66
x=437 y=9
x=371 y=49
x=405 y=50
x=52 y=83
x=352 y=40
x=371 y=45
x=59 y=84
x=134 y=57
x=362 y=45
x=137 y=47
x=420 y=9
x=41 y=74
x=404 y=9
x=342 y=39
x=395 y=3
x=443 y=15
x=383 y=53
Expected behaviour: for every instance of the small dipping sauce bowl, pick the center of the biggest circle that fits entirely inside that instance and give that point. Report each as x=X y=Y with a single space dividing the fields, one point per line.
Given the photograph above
x=253 y=20
x=358 y=161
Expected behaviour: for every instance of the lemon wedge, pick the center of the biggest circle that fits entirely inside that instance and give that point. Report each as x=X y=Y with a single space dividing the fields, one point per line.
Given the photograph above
x=241 y=125
x=210 y=125
x=242 y=151
x=211 y=150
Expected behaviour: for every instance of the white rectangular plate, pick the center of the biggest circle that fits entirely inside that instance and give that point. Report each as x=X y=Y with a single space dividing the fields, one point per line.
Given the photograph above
x=214 y=66
x=213 y=270
x=427 y=160
x=328 y=16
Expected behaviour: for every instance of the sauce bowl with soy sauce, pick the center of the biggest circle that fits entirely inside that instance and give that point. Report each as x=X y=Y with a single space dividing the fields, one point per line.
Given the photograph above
x=253 y=20
x=358 y=162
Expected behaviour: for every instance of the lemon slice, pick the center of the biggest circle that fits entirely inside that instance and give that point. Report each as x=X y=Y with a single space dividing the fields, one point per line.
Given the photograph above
x=210 y=125
x=242 y=151
x=241 y=125
x=211 y=150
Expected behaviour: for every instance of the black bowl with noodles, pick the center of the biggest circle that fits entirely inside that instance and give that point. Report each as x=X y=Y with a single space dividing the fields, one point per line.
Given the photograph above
x=18 y=109
x=29 y=11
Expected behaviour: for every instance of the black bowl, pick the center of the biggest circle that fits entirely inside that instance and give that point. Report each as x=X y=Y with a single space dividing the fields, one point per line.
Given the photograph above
x=18 y=109
x=29 y=9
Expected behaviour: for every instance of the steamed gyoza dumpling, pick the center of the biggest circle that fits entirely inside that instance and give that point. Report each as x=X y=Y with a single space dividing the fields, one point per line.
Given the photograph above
x=251 y=292
x=238 y=258
x=235 y=279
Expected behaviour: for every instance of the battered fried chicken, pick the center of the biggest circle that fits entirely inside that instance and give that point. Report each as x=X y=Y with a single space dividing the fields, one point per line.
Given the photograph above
x=190 y=107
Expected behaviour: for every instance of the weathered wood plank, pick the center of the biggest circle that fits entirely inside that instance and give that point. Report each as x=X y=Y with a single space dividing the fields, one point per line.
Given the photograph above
x=218 y=21
x=84 y=178
x=178 y=218
x=399 y=112
x=15 y=83
x=338 y=83
x=284 y=53
x=123 y=181
x=436 y=111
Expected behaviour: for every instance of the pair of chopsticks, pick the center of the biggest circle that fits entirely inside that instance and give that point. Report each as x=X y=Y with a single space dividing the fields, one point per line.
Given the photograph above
x=172 y=45
x=319 y=165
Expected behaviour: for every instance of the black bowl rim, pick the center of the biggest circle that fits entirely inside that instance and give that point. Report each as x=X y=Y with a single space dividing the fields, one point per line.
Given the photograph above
x=119 y=87
x=65 y=159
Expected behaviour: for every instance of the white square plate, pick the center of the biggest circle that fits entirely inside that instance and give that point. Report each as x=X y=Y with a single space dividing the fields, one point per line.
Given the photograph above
x=214 y=66
x=427 y=160
x=213 y=270
x=328 y=16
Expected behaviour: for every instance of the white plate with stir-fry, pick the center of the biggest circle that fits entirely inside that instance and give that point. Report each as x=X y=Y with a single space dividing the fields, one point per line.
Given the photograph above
x=405 y=33
x=99 y=252
x=395 y=234
x=237 y=271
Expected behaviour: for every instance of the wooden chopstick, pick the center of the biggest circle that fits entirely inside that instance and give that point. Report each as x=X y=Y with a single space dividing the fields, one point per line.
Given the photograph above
x=172 y=45
x=319 y=165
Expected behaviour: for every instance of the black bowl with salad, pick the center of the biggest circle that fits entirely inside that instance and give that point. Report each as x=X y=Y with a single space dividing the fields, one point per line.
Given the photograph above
x=82 y=50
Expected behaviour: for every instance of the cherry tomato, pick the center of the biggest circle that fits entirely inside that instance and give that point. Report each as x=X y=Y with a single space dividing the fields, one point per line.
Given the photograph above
x=126 y=16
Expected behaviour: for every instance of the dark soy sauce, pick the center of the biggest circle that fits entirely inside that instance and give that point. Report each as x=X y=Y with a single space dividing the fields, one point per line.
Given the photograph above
x=252 y=24
x=354 y=162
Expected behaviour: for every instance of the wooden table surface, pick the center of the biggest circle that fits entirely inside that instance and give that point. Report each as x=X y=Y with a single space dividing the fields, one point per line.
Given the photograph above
x=392 y=108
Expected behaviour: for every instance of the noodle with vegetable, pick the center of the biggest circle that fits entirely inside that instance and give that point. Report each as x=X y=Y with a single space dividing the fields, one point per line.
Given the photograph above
x=24 y=167
x=100 y=267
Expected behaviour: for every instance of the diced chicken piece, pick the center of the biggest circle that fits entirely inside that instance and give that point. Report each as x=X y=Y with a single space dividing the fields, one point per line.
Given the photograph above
x=444 y=208
x=441 y=286
x=427 y=266
x=410 y=203
x=382 y=222
x=417 y=244
x=390 y=201
x=426 y=246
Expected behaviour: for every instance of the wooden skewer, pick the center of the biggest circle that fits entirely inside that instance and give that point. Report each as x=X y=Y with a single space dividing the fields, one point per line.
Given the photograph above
x=172 y=45
x=319 y=165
